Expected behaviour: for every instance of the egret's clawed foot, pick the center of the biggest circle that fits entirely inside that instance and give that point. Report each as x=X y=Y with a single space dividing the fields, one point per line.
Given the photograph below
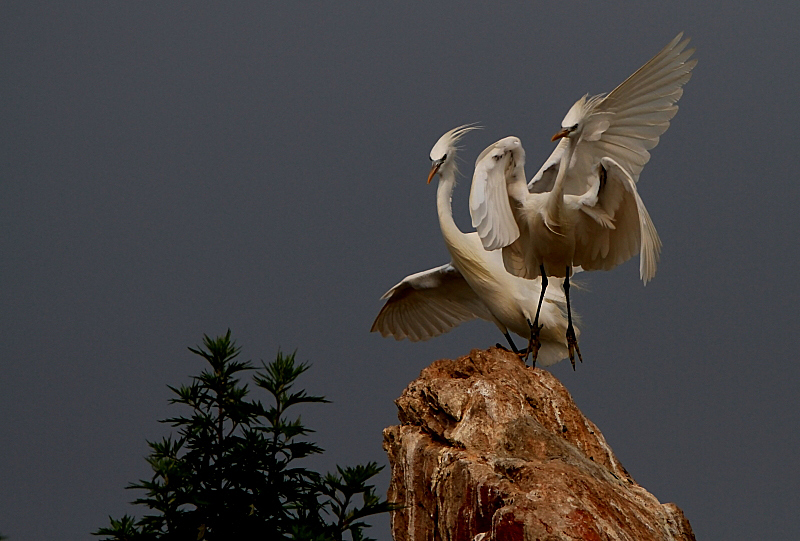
x=533 y=344
x=533 y=349
x=510 y=343
x=498 y=345
x=572 y=345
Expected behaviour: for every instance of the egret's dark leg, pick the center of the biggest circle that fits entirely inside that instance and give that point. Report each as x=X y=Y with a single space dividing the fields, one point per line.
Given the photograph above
x=534 y=344
x=572 y=341
x=511 y=343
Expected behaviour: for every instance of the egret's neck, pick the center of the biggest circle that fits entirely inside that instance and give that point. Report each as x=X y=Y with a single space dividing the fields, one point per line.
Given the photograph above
x=444 y=197
x=558 y=185
x=556 y=200
x=463 y=253
x=517 y=186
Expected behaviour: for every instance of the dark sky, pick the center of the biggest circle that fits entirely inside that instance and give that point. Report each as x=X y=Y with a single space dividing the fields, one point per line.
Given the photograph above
x=169 y=171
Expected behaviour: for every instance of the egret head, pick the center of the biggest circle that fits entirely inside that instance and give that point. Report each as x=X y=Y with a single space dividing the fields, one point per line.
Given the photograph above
x=572 y=125
x=443 y=153
x=572 y=120
x=509 y=148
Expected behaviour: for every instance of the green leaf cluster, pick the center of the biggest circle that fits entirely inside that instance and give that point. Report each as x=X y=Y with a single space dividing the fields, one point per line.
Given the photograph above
x=231 y=472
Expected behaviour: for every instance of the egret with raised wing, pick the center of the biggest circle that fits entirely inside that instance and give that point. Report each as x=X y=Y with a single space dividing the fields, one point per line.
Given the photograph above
x=474 y=285
x=582 y=208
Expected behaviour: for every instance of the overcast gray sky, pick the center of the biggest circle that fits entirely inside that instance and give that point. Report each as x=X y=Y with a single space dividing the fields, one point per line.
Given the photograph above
x=173 y=170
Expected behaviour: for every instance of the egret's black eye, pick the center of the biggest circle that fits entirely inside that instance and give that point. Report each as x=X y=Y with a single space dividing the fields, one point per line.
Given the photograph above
x=444 y=158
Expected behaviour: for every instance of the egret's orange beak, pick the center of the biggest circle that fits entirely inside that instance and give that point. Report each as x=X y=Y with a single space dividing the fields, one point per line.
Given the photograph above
x=563 y=133
x=434 y=170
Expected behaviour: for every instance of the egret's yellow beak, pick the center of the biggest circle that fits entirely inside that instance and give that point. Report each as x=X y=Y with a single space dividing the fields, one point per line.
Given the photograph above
x=563 y=133
x=434 y=170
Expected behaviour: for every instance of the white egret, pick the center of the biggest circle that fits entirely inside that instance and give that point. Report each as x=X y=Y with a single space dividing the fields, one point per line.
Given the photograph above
x=474 y=285
x=582 y=208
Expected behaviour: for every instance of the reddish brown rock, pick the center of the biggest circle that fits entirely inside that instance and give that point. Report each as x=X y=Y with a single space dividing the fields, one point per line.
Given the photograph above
x=490 y=450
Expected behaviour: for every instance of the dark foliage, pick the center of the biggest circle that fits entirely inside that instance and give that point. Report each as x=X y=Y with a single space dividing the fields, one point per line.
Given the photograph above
x=231 y=473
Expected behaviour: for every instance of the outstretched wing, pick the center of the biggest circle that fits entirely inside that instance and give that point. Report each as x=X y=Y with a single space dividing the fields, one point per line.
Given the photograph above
x=627 y=123
x=427 y=304
x=488 y=201
x=614 y=224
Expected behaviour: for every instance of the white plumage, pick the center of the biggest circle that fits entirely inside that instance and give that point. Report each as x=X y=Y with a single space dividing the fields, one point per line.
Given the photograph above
x=488 y=198
x=474 y=285
x=582 y=207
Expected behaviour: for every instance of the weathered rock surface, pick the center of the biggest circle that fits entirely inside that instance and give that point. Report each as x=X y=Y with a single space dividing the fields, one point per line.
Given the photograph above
x=489 y=450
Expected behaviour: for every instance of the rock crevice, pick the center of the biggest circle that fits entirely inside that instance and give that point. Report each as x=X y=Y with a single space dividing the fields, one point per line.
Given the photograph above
x=491 y=450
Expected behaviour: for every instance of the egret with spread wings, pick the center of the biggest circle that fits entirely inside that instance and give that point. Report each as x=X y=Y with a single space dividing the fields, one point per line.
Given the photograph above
x=582 y=208
x=474 y=285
